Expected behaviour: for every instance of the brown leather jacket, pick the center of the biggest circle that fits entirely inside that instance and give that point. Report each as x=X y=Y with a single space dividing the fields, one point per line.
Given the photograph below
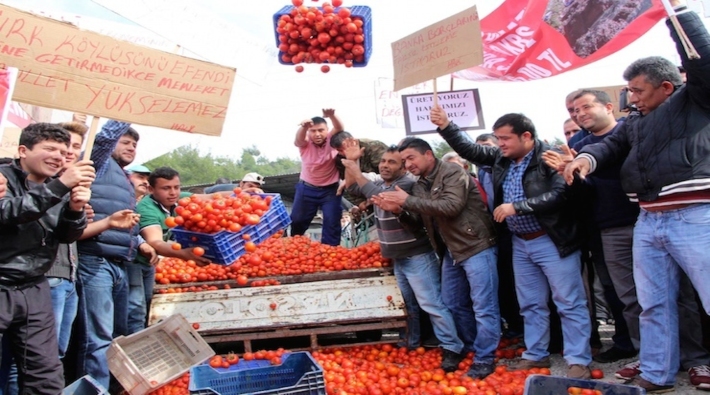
x=449 y=197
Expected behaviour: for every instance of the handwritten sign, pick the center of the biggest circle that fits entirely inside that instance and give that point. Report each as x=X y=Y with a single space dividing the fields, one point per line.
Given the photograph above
x=614 y=93
x=463 y=108
x=10 y=141
x=442 y=48
x=388 y=102
x=75 y=70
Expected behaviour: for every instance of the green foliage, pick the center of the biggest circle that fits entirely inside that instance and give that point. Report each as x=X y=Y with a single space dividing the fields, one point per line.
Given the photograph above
x=440 y=148
x=196 y=168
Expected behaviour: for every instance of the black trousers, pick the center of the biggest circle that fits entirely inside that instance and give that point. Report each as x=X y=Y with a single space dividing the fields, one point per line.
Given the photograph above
x=27 y=319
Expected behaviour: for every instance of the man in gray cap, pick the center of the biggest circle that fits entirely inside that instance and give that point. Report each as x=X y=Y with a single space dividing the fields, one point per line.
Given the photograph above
x=138 y=174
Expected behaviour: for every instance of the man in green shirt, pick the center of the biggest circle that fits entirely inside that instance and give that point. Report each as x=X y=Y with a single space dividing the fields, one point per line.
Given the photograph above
x=164 y=189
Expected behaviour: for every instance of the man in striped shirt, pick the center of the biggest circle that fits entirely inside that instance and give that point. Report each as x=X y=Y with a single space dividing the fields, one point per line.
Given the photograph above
x=666 y=168
x=416 y=266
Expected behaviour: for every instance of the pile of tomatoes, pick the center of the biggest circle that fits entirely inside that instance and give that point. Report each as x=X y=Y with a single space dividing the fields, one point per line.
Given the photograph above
x=221 y=212
x=178 y=386
x=321 y=35
x=582 y=391
x=277 y=256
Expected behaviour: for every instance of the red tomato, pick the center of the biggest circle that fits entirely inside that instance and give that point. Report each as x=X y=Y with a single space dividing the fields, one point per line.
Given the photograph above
x=299 y=69
x=597 y=374
x=198 y=251
x=297 y=3
x=325 y=68
x=195 y=325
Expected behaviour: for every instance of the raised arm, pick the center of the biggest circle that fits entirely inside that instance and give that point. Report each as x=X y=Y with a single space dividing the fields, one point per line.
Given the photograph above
x=460 y=142
x=697 y=70
x=300 y=140
x=337 y=124
x=105 y=143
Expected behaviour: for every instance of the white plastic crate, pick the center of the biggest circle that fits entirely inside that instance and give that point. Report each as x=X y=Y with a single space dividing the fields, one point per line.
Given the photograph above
x=153 y=357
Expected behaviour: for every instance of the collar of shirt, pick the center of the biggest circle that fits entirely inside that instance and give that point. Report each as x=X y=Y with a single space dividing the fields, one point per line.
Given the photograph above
x=157 y=203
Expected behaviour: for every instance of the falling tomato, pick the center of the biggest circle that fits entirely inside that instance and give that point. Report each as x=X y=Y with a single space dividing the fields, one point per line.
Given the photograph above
x=299 y=69
x=325 y=68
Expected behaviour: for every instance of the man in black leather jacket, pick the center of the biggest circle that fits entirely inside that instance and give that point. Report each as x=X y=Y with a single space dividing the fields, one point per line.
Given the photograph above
x=531 y=199
x=36 y=214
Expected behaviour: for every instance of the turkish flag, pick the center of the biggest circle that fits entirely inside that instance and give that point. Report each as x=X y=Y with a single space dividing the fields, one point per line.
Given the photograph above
x=531 y=39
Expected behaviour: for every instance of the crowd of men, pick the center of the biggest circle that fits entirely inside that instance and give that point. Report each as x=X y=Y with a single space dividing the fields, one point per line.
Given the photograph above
x=627 y=200
x=505 y=251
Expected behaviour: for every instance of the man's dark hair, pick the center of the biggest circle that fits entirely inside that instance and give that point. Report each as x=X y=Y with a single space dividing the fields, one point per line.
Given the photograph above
x=166 y=173
x=656 y=69
x=392 y=148
x=486 y=137
x=337 y=140
x=222 y=180
x=132 y=134
x=416 y=144
x=519 y=122
x=599 y=96
x=38 y=132
x=317 y=120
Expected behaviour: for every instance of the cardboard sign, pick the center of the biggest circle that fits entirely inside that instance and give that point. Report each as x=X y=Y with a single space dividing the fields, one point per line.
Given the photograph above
x=442 y=48
x=70 y=69
x=614 y=93
x=463 y=108
x=10 y=141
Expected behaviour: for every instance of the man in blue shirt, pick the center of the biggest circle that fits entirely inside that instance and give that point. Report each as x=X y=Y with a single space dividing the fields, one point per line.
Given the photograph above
x=532 y=201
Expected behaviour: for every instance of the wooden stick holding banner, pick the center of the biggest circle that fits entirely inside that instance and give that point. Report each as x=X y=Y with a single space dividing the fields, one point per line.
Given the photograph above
x=687 y=45
x=436 y=94
x=91 y=137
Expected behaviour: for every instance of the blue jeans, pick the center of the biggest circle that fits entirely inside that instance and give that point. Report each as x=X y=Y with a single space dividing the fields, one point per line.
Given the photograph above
x=306 y=203
x=538 y=269
x=664 y=243
x=65 y=302
x=419 y=279
x=103 y=311
x=141 y=279
x=470 y=291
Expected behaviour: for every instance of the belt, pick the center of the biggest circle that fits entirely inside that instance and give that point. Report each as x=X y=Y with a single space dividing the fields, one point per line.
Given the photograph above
x=333 y=185
x=668 y=207
x=7 y=284
x=531 y=236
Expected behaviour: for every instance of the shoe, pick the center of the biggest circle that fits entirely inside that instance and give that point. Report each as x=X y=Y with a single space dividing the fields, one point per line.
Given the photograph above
x=649 y=386
x=614 y=354
x=450 y=360
x=480 y=370
x=431 y=342
x=579 y=372
x=700 y=377
x=526 y=364
x=629 y=371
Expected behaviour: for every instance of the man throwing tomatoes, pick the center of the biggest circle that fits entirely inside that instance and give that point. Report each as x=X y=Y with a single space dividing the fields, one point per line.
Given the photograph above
x=318 y=186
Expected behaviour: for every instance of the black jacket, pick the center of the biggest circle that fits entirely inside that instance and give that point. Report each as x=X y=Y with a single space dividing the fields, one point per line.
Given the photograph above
x=668 y=149
x=33 y=221
x=546 y=190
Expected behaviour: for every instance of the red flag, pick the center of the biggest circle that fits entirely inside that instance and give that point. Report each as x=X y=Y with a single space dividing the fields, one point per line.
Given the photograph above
x=8 y=77
x=531 y=39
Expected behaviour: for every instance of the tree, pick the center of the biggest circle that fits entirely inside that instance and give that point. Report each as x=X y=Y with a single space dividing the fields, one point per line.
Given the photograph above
x=196 y=168
x=440 y=148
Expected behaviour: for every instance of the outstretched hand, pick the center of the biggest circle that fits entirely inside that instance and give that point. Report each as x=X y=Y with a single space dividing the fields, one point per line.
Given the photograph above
x=351 y=149
x=558 y=161
x=580 y=166
x=398 y=196
x=328 y=112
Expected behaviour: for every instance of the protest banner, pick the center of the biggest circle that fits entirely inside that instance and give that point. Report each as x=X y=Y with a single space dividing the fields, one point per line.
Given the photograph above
x=9 y=142
x=440 y=49
x=8 y=79
x=463 y=107
x=67 y=68
x=530 y=39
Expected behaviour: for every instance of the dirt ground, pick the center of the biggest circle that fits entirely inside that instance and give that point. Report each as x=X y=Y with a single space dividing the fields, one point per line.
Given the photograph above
x=559 y=367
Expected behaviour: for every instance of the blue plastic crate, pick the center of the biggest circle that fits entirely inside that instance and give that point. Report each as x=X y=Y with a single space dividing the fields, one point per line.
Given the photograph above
x=86 y=385
x=299 y=374
x=362 y=11
x=552 y=385
x=225 y=247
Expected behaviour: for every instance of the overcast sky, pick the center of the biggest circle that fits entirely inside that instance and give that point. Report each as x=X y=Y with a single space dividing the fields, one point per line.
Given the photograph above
x=270 y=99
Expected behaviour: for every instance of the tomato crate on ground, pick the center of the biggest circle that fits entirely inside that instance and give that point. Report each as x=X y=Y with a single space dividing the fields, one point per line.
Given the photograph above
x=225 y=247
x=299 y=374
x=151 y=358
x=552 y=385
x=361 y=11
x=85 y=386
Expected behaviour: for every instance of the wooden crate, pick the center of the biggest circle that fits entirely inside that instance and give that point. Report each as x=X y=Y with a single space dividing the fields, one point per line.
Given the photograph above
x=288 y=310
